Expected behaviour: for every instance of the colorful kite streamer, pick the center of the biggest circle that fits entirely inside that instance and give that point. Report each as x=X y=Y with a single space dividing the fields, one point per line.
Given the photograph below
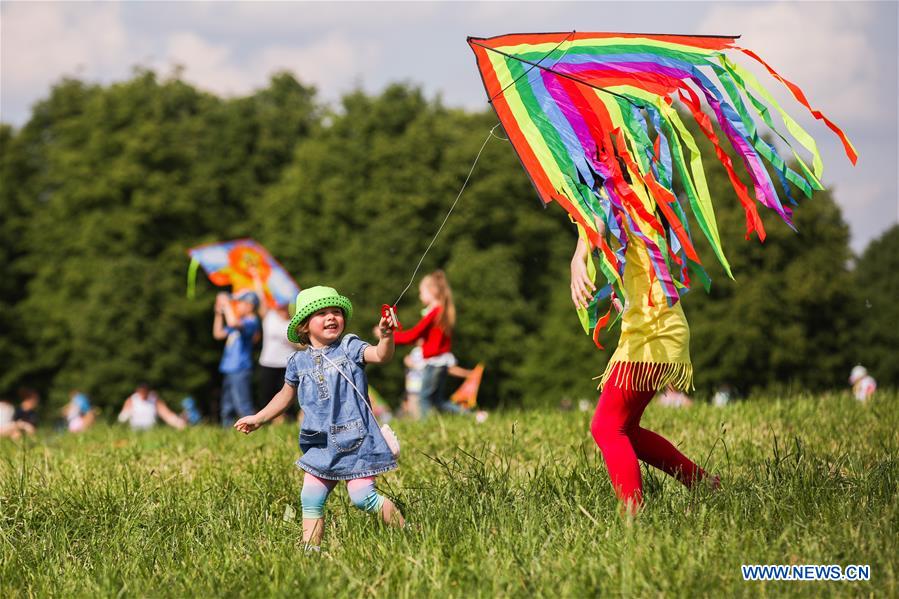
x=232 y=263
x=592 y=117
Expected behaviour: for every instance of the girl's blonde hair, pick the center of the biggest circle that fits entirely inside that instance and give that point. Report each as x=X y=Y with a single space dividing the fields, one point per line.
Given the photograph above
x=444 y=296
x=302 y=331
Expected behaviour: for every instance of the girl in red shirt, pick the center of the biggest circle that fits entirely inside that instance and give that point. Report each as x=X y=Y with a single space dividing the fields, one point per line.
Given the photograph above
x=435 y=328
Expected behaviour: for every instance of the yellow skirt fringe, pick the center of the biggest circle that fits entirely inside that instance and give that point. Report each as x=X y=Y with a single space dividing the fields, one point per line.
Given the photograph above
x=648 y=376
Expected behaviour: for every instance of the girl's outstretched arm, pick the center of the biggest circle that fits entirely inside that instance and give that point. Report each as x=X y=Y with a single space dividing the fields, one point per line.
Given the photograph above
x=279 y=403
x=459 y=372
x=408 y=336
x=383 y=351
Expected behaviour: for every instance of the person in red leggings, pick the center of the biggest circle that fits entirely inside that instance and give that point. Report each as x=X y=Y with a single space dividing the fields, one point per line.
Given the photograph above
x=653 y=351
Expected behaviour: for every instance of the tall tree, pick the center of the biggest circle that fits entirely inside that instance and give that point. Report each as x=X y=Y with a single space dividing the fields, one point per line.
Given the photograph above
x=876 y=342
x=784 y=318
x=15 y=171
x=125 y=179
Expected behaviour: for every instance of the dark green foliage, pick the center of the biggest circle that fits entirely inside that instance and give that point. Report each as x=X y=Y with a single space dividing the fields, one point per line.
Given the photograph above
x=876 y=343
x=13 y=221
x=105 y=188
x=117 y=183
x=786 y=317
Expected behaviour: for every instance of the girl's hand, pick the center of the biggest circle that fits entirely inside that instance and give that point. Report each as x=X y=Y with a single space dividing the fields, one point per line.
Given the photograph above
x=248 y=424
x=582 y=287
x=384 y=329
x=221 y=300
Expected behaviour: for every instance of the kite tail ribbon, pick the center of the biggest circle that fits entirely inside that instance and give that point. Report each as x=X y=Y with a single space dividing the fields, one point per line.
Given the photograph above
x=797 y=93
x=192 y=278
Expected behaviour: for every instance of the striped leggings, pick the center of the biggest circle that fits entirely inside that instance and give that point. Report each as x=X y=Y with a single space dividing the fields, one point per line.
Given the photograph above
x=316 y=490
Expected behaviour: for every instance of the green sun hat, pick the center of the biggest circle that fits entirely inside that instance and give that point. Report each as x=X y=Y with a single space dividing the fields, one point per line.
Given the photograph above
x=312 y=300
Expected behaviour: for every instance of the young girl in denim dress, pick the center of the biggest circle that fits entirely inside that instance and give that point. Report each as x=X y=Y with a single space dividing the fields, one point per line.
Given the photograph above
x=340 y=438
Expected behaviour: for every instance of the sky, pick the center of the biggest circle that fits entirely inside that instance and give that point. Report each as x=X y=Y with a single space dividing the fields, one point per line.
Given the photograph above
x=842 y=54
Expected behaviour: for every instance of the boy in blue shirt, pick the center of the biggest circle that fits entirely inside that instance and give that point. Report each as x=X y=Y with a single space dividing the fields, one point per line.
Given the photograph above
x=236 y=324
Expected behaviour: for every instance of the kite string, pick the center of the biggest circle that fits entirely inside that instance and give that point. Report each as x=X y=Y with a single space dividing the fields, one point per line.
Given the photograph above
x=445 y=218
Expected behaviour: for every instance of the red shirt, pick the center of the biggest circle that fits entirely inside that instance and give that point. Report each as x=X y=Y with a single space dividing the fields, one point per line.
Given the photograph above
x=437 y=341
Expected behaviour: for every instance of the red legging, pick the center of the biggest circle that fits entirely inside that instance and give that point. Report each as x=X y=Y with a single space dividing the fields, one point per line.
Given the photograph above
x=616 y=429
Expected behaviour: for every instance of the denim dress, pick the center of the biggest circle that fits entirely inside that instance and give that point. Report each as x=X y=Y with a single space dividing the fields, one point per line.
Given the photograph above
x=340 y=438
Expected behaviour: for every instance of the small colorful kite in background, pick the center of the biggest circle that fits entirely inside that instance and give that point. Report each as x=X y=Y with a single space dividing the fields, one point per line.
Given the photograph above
x=233 y=263
x=467 y=393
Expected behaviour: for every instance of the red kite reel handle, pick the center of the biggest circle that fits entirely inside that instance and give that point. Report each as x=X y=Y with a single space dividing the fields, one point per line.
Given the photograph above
x=389 y=312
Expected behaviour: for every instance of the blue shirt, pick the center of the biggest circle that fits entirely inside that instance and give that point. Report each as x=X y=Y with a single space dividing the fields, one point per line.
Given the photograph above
x=238 y=353
x=340 y=437
x=82 y=403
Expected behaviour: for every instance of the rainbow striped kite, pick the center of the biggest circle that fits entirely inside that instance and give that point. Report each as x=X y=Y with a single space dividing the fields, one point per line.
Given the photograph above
x=592 y=117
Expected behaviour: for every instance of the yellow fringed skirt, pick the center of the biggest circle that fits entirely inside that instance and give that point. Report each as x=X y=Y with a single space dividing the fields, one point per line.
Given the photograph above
x=654 y=348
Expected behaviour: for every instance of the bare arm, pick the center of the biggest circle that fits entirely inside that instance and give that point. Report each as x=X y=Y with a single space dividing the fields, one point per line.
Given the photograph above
x=260 y=293
x=218 y=327
x=231 y=318
x=459 y=372
x=218 y=324
x=383 y=351
x=125 y=414
x=279 y=403
x=582 y=288
x=168 y=416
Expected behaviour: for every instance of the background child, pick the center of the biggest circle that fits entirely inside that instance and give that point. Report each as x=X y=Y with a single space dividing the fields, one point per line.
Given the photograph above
x=6 y=413
x=143 y=407
x=435 y=328
x=78 y=413
x=276 y=348
x=339 y=436
x=653 y=351
x=23 y=419
x=26 y=416
x=863 y=384
x=415 y=366
x=236 y=323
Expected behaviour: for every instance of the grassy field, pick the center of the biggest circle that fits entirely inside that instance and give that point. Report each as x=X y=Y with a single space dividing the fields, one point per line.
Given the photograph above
x=520 y=506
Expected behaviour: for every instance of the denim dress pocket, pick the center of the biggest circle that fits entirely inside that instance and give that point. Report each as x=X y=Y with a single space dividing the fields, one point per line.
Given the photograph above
x=348 y=437
x=310 y=439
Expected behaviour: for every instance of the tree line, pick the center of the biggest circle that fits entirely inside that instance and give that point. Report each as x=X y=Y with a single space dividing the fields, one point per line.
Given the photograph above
x=106 y=186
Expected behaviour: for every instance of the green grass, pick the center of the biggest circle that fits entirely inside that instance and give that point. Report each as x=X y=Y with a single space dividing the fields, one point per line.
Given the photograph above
x=519 y=506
